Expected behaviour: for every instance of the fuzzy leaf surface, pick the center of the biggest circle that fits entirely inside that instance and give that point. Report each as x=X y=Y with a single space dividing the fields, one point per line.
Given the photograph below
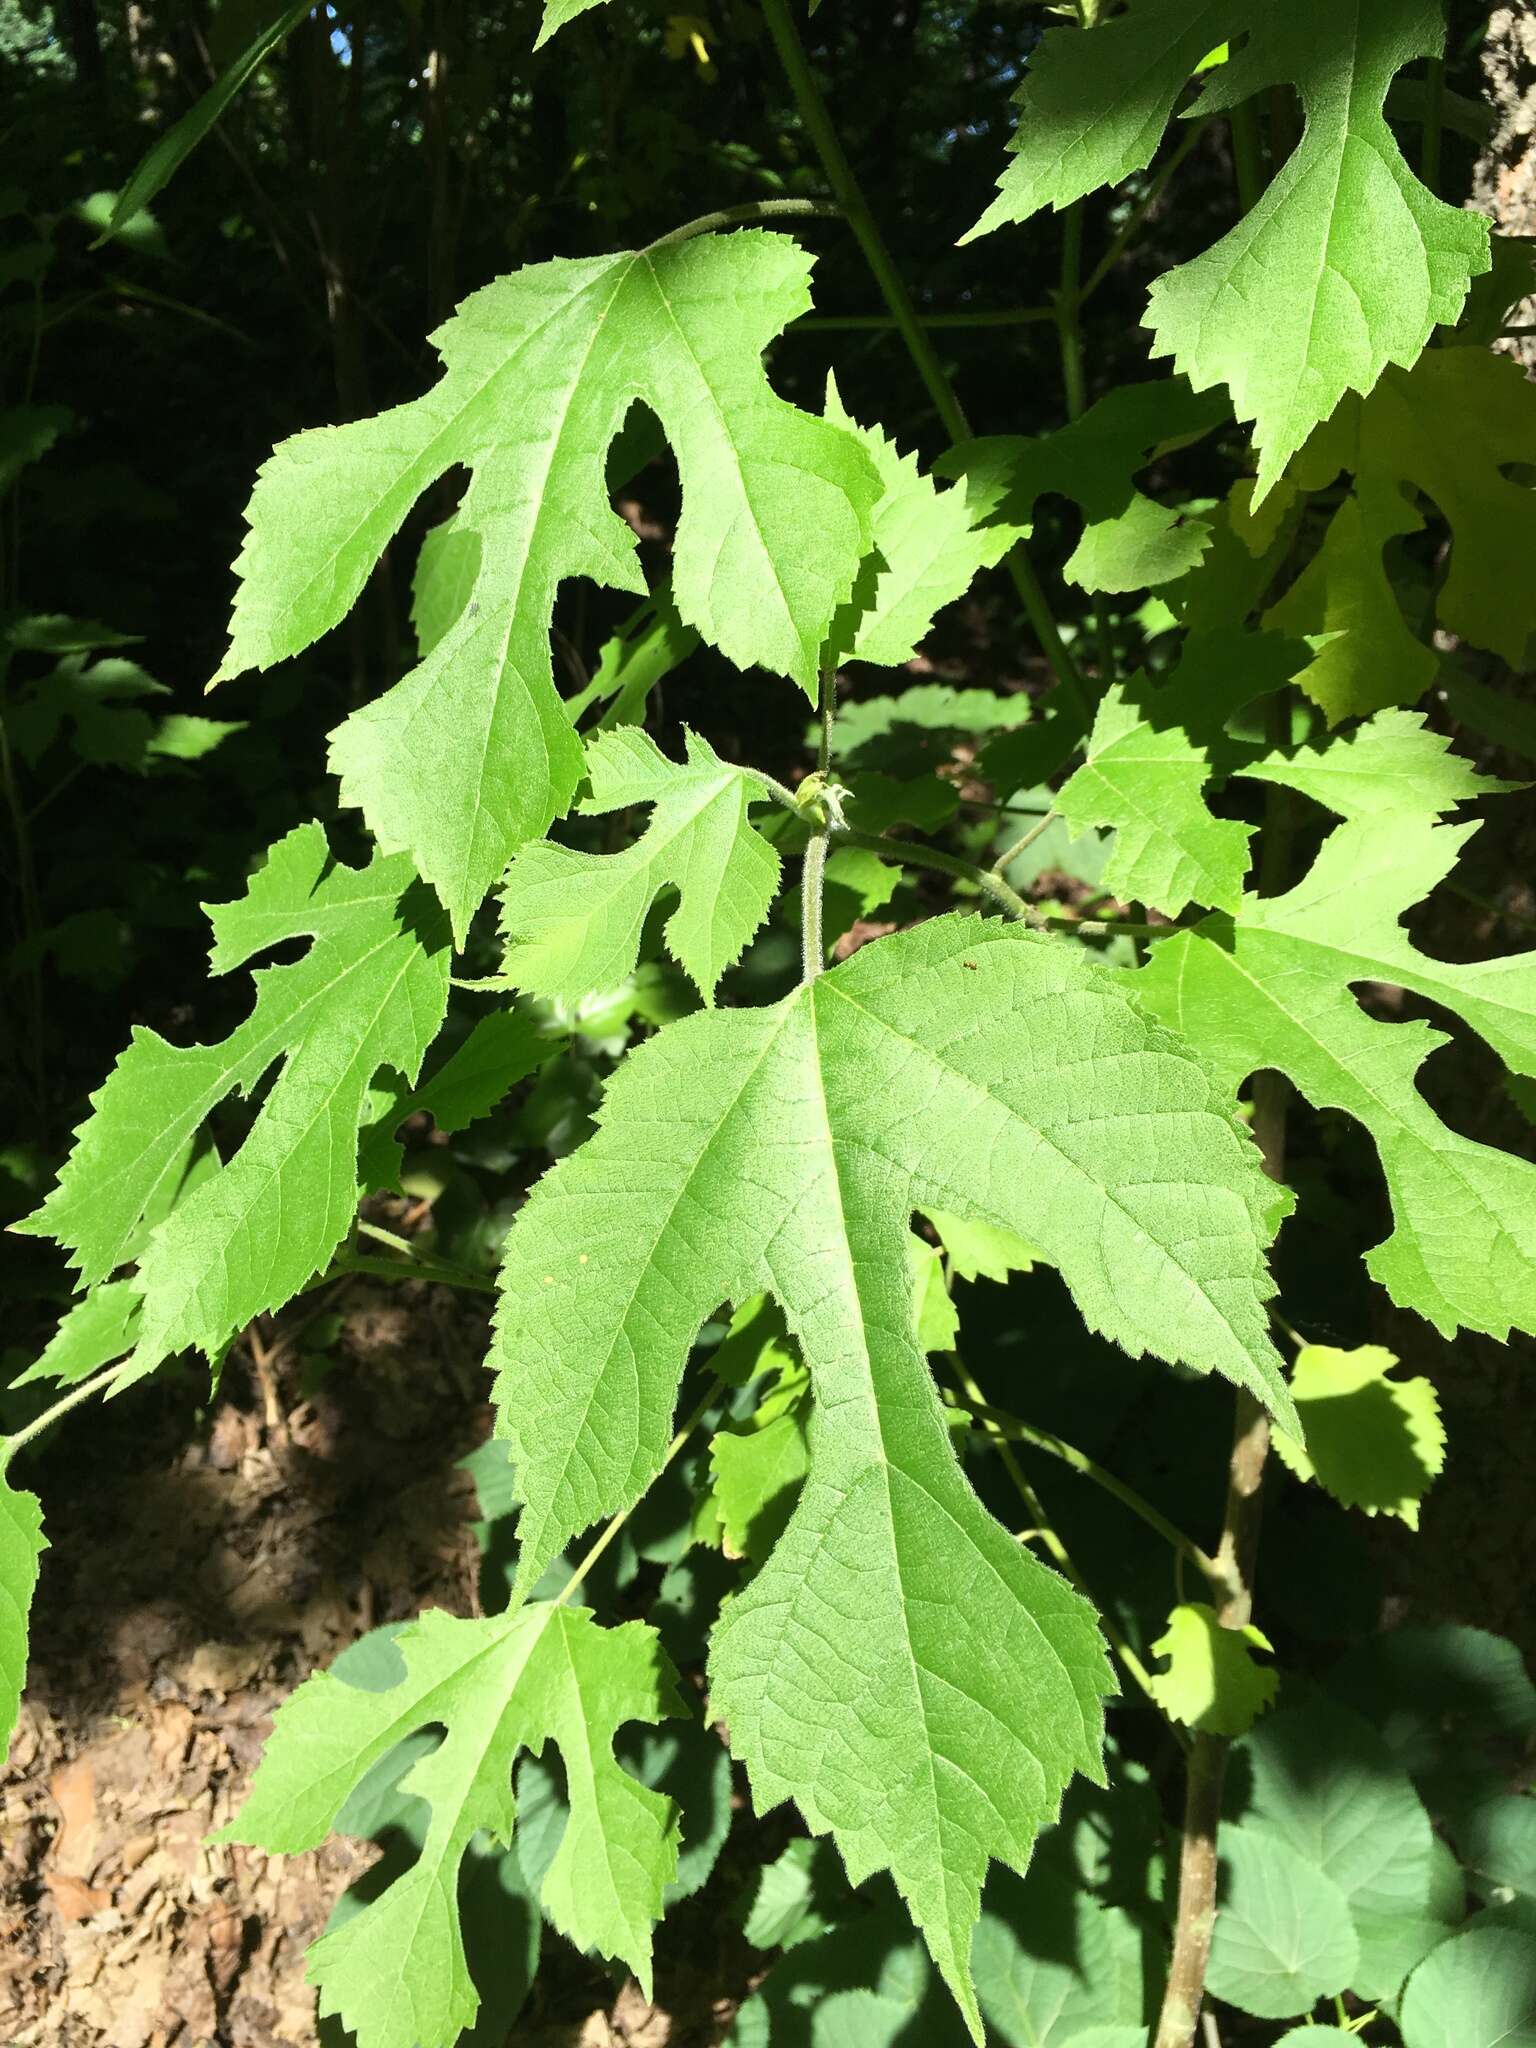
x=1391 y=766
x=573 y=920
x=1274 y=987
x=473 y=754
x=1283 y=1936
x=369 y=994
x=783 y=1150
x=395 y=1973
x=1147 y=766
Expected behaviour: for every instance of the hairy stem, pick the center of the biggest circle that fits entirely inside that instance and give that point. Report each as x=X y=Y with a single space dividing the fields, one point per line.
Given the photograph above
x=850 y=196
x=75 y=1398
x=742 y=216
x=908 y=853
x=1010 y=854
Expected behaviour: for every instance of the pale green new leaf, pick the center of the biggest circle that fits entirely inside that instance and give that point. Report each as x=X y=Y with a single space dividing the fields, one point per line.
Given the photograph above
x=927 y=547
x=473 y=753
x=1374 y=1442
x=1274 y=987
x=369 y=994
x=1283 y=1937
x=784 y=1150
x=395 y=1973
x=573 y=920
x=1213 y=1681
x=22 y=1543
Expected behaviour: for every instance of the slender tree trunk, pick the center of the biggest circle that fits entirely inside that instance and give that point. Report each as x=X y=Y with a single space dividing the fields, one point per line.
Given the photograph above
x=1504 y=181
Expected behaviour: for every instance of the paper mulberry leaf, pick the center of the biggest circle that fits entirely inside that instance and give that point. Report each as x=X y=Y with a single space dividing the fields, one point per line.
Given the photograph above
x=573 y=920
x=395 y=1973
x=783 y=1150
x=368 y=995
x=22 y=1543
x=473 y=754
x=928 y=546
x=1275 y=987
x=1129 y=541
x=1346 y=263
x=1322 y=1779
x=1374 y=1442
x=1283 y=1937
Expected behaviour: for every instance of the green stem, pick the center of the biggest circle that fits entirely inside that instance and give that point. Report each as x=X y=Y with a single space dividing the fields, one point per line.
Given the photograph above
x=616 y=1523
x=75 y=1398
x=906 y=852
x=1006 y=859
x=999 y=1421
x=850 y=196
x=442 y=1275
x=1131 y=226
x=813 y=865
x=1046 y=1530
x=1069 y=331
x=741 y=216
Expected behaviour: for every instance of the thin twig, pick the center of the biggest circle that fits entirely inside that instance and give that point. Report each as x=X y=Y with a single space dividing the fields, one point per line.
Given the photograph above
x=616 y=1522
x=1045 y=1529
x=995 y=1421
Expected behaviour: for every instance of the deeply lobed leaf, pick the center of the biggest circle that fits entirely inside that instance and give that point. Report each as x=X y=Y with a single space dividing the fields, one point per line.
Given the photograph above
x=990 y=1074
x=395 y=1973
x=573 y=920
x=472 y=754
x=369 y=994
x=1345 y=262
x=1274 y=987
